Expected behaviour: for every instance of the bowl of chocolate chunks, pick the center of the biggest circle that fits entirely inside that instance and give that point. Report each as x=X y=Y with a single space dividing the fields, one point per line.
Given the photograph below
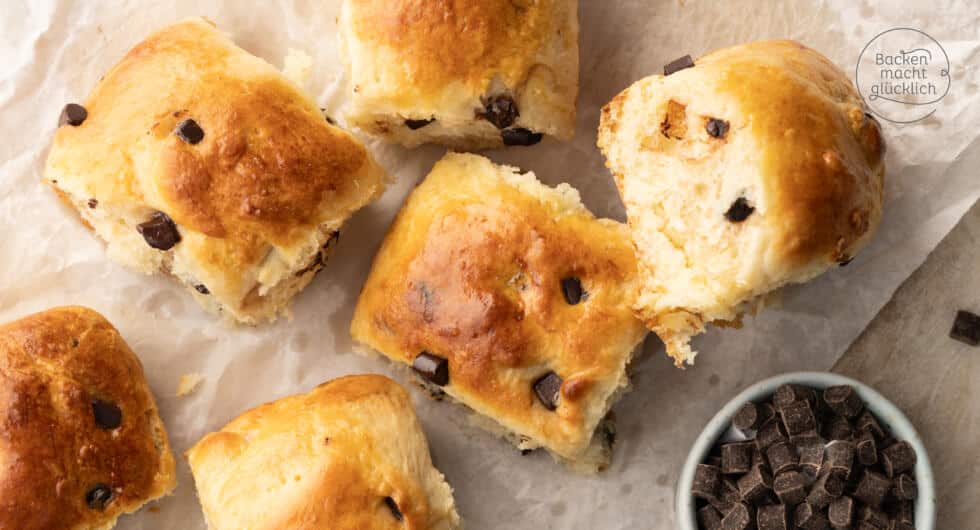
x=811 y=451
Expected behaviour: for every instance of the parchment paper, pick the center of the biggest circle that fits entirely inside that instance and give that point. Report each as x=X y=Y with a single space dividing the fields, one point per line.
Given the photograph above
x=53 y=51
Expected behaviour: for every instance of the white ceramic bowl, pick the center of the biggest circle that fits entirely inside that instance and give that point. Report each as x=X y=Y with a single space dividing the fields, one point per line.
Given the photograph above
x=888 y=414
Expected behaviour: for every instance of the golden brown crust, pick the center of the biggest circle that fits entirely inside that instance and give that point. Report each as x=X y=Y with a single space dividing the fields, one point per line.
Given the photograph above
x=52 y=452
x=455 y=41
x=440 y=59
x=823 y=158
x=471 y=271
x=326 y=459
x=268 y=175
x=798 y=145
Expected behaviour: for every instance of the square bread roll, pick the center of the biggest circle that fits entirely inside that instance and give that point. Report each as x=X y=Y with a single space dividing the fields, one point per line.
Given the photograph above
x=513 y=299
x=349 y=455
x=751 y=168
x=81 y=440
x=195 y=158
x=469 y=74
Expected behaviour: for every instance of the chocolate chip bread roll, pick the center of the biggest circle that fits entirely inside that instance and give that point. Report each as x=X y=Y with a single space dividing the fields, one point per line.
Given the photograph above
x=193 y=157
x=469 y=74
x=751 y=168
x=348 y=455
x=513 y=299
x=81 y=441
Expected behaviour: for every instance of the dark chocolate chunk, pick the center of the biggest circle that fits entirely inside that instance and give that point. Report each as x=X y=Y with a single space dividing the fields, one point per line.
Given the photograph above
x=751 y=416
x=902 y=512
x=798 y=417
x=678 y=64
x=747 y=417
x=839 y=458
x=782 y=457
x=201 y=288
x=905 y=488
x=766 y=413
x=769 y=434
x=189 y=131
x=418 y=124
x=790 y=487
x=98 y=497
x=738 y=518
x=898 y=458
x=759 y=459
x=706 y=481
x=321 y=257
x=736 y=457
x=729 y=492
x=547 y=388
x=867 y=422
x=432 y=367
x=840 y=513
x=107 y=415
x=866 y=449
x=772 y=517
x=709 y=518
x=500 y=110
x=838 y=429
x=754 y=484
x=571 y=287
x=393 y=506
x=73 y=114
x=811 y=458
x=805 y=438
x=966 y=328
x=93 y=203
x=827 y=488
x=520 y=137
x=790 y=393
x=724 y=505
x=872 y=488
x=872 y=516
x=843 y=400
x=716 y=128
x=160 y=232
x=739 y=211
x=809 y=518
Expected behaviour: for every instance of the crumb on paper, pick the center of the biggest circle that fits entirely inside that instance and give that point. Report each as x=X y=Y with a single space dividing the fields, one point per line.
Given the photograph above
x=154 y=509
x=188 y=384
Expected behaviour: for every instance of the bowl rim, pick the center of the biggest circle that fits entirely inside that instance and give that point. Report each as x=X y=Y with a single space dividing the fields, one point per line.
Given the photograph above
x=884 y=410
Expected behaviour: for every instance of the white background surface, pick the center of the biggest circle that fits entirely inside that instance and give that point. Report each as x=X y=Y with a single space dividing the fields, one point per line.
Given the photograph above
x=54 y=51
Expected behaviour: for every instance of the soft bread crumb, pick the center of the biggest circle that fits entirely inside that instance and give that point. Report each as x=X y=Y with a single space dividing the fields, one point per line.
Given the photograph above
x=189 y=383
x=297 y=66
x=815 y=190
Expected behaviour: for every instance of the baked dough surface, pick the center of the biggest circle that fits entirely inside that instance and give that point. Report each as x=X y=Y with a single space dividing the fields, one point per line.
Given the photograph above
x=798 y=148
x=54 y=366
x=425 y=59
x=471 y=271
x=254 y=201
x=325 y=459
